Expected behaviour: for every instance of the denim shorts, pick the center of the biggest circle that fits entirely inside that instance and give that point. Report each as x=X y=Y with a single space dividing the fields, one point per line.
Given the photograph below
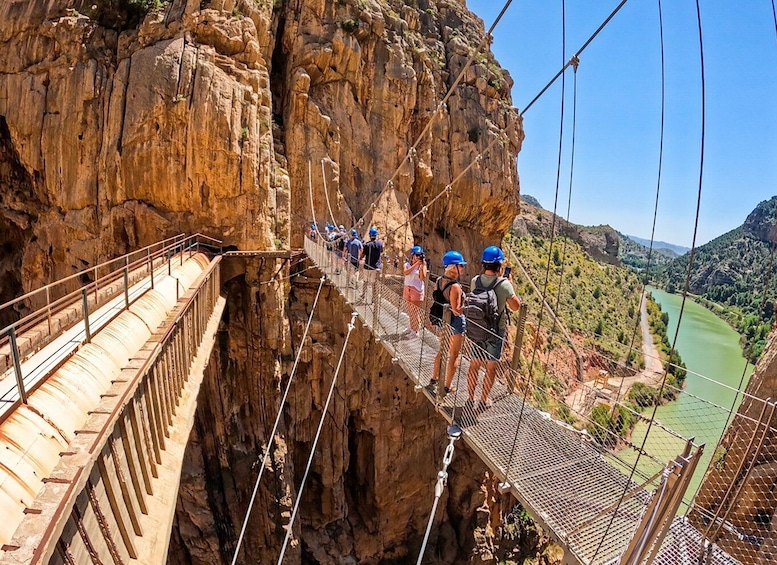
x=489 y=350
x=459 y=324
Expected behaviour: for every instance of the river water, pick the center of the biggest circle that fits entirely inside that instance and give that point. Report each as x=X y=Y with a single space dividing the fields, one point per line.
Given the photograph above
x=710 y=348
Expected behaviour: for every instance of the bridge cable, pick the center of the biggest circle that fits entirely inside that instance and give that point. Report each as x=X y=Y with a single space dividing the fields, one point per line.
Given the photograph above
x=761 y=308
x=550 y=249
x=277 y=421
x=691 y=256
x=646 y=278
x=326 y=194
x=486 y=37
x=310 y=188
x=575 y=56
x=351 y=327
x=565 y=238
x=454 y=433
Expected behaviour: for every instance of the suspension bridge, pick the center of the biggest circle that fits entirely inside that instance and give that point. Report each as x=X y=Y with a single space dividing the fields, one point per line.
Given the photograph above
x=99 y=388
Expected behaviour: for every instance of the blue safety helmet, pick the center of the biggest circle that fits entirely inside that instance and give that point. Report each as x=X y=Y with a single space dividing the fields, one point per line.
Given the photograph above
x=453 y=258
x=313 y=227
x=492 y=254
x=417 y=250
x=354 y=233
x=373 y=231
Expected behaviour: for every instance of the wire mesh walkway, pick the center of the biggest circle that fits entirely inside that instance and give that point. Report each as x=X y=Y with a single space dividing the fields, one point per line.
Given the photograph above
x=568 y=483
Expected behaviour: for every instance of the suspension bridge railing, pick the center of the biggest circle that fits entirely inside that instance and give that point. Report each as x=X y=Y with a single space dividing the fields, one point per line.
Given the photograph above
x=593 y=482
x=45 y=313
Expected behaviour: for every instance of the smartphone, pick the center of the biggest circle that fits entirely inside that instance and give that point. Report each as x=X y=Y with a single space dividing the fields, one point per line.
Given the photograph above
x=507 y=272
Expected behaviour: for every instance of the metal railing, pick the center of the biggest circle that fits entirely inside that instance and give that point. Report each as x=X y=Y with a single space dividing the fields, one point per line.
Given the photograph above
x=58 y=306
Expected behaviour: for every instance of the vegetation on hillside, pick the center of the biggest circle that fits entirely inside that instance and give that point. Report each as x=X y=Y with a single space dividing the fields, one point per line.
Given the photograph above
x=729 y=276
x=598 y=302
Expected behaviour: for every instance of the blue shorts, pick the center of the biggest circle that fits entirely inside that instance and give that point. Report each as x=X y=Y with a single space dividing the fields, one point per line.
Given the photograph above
x=489 y=350
x=459 y=324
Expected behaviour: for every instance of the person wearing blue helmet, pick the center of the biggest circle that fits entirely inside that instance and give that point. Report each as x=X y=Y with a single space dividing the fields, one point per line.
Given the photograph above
x=372 y=253
x=413 y=290
x=313 y=232
x=353 y=248
x=488 y=287
x=448 y=291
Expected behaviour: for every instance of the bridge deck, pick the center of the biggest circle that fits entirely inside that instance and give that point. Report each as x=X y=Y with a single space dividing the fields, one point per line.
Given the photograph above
x=567 y=483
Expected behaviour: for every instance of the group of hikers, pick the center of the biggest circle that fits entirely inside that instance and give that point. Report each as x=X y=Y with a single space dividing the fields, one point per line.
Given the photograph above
x=481 y=314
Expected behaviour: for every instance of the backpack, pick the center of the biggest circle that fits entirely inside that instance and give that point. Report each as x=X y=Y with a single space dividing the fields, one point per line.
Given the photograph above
x=438 y=306
x=481 y=311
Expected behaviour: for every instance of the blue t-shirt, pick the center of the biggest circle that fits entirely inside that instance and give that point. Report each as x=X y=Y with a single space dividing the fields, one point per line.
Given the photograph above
x=354 y=247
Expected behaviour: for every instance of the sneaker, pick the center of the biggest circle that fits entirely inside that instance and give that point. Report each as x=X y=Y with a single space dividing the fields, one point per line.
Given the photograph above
x=432 y=383
x=485 y=405
x=450 y=390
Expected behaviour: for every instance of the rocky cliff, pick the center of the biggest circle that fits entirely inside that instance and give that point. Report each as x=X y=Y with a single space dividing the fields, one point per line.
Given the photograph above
x=122 y=122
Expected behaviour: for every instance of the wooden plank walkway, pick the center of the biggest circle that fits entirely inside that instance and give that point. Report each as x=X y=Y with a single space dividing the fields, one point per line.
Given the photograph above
x=569 y=484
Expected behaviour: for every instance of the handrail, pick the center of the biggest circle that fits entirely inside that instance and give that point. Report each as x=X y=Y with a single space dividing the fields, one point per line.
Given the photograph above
x=134 y=266
x=93 y=269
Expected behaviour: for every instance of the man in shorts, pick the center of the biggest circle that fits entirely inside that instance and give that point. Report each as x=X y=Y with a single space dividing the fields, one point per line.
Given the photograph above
x=490 y=351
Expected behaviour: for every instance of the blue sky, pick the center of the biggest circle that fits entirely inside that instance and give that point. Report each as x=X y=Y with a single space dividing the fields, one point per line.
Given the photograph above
x=618 y=110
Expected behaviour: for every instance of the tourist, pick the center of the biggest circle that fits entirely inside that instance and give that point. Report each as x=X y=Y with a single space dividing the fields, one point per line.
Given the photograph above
x=413 y=291
x=372 y=252
x=313 y=232
x=488 y=336
x=339 y=244
x=448 y=291
x=353 y=250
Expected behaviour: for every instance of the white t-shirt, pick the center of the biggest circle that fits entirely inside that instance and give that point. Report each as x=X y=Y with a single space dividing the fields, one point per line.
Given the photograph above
x=413 y=279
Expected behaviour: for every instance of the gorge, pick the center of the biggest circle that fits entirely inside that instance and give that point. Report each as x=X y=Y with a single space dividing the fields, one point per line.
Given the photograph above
x=125 y=122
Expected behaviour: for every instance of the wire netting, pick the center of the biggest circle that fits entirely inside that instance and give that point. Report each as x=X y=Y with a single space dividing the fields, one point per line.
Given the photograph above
x=569 y=468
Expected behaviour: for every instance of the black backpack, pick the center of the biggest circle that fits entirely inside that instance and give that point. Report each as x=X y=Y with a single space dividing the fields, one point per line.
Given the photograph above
x=482 y=313
x=438 y=306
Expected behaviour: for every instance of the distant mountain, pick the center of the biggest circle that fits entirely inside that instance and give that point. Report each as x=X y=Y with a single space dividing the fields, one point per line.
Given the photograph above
x=662 y=245
x=732 y=270
x=529 y=199
x=635 y=255
x=600 y=242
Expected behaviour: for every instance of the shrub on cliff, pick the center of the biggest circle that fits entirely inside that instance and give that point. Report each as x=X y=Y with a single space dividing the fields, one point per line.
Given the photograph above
x=121 y=14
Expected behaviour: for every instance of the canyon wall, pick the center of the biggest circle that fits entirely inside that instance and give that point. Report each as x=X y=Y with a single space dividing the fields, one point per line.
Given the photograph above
x=124 y=122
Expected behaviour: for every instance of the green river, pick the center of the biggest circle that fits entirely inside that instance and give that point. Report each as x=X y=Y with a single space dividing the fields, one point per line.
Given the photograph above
x=710 y=348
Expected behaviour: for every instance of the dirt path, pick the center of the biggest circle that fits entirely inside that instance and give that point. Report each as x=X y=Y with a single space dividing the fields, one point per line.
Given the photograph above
x=581 y=398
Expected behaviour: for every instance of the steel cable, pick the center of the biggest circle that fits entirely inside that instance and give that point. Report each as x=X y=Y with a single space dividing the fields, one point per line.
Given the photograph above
x=290 y=526
x=277 y=421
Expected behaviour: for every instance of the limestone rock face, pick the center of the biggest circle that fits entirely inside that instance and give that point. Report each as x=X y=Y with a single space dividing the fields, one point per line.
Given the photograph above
x=169 y=123
x=244 y=120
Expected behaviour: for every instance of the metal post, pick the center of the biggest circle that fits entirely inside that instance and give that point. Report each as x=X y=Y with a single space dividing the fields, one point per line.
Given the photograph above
x=96 y=284
x=85 y=306
x=48 y=308
x=151 y=268
x=17 y=366
x=521 y=326
x=126 y=287
x=176 y=289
